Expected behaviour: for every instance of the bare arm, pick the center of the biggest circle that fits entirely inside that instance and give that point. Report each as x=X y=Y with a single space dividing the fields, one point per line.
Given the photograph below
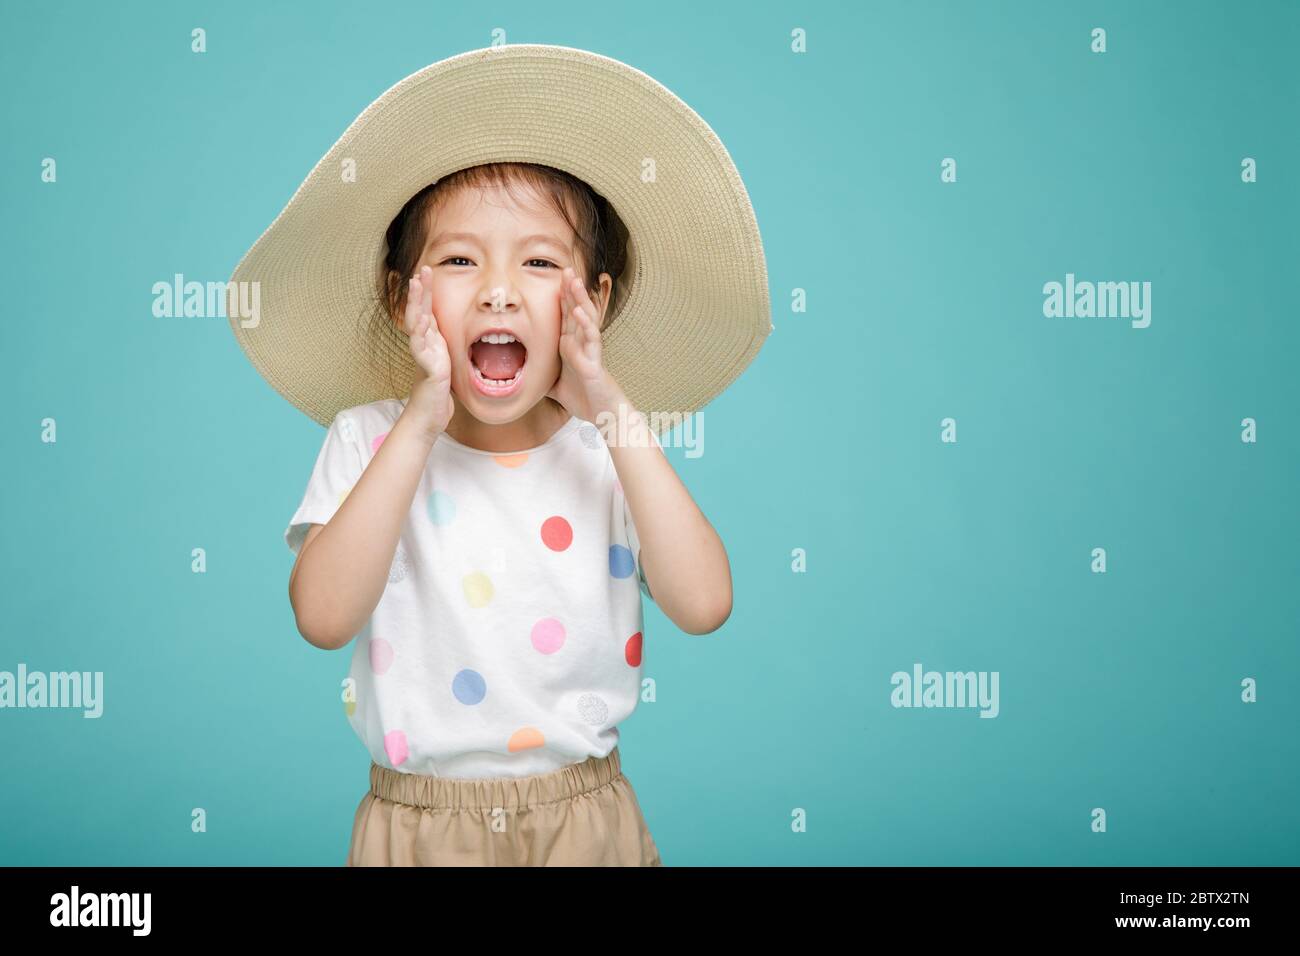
x=684 y=560
x=682 y=557
x=342 y=567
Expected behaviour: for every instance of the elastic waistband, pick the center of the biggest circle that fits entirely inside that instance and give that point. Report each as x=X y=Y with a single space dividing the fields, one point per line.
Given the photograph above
x=452 y=793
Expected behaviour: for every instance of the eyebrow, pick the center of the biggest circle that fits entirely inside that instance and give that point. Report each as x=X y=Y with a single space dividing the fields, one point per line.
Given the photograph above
x=445 y=238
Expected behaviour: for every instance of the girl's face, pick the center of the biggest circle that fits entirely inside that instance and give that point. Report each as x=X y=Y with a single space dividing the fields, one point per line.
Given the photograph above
x=497 y=272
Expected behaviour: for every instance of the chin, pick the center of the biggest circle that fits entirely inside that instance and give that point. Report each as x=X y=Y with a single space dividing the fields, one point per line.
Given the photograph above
x=500 y=411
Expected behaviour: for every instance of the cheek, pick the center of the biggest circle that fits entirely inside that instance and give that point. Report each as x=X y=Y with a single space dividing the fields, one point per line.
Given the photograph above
x=450 y=328
x=547 y=348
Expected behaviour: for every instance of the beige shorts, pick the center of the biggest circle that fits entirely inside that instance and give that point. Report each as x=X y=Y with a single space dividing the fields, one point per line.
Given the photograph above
x=585 y=814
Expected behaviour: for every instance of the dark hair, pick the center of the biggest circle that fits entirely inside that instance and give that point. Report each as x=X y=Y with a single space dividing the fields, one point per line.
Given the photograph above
x=599 y=234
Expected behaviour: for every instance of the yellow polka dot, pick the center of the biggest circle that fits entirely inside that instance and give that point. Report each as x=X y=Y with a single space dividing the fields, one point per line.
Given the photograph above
x=342 y=496
x=478 y=588
x=349 y=707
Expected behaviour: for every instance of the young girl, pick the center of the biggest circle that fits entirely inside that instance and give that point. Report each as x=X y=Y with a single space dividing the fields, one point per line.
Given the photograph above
x=486 y=538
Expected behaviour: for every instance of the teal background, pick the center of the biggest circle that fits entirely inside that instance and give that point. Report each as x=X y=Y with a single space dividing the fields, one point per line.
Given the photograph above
x=1118 y=690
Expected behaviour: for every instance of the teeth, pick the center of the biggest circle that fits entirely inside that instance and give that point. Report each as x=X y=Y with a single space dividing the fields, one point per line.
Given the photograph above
x=498 y=338
x=498 y=382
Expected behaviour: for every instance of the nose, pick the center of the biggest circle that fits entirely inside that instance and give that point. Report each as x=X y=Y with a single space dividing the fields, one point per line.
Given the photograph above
x=500 y=292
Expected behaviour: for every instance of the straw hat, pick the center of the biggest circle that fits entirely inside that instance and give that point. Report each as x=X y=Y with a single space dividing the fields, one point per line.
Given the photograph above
x=692 y=308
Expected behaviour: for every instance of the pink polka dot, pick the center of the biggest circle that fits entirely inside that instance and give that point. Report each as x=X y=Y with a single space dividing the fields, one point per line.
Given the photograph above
x=381 y=655
x=379 y=440
x=557 y=534
x=548 y=635
x=395 y=747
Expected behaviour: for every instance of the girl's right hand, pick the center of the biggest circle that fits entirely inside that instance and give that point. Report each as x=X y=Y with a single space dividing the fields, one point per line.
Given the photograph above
x=431 y=400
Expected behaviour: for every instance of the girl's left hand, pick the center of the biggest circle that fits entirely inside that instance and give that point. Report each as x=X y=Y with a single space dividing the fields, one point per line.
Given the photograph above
x=584 y=387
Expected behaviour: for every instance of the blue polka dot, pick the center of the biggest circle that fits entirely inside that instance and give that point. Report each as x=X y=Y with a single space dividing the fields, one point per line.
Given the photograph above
x=620 y=561
x=442 y=508
x=469 y=687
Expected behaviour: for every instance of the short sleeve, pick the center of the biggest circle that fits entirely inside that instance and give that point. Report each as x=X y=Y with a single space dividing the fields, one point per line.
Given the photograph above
x=634 y=543
x=338 y=466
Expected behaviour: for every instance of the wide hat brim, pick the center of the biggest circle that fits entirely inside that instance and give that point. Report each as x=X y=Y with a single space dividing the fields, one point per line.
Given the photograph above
x=694 y=308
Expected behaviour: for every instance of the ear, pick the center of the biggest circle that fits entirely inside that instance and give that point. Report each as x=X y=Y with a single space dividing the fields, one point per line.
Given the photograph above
x=602 y=299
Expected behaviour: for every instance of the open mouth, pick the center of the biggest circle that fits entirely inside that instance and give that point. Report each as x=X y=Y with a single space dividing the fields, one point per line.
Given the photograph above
x=497 y=358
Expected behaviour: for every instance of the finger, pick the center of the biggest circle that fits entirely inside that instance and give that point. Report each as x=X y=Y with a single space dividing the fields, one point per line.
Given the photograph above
x=589 y=307
x=419 y=345
x=438 y=349
x=565 y=304
x=412 y=305
x=590 y=332
x=579 y=326
x=579 y=292
x=418 y=351
x=425 y=357
x=583 y=299
x=574 y=302
x=426 y=284
x=591 y=345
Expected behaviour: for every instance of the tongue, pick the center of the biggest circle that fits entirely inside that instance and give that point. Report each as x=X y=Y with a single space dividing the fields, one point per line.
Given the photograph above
x=497 y=361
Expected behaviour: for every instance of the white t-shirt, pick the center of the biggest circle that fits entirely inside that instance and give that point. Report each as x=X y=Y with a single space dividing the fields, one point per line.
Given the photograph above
x=508 y=640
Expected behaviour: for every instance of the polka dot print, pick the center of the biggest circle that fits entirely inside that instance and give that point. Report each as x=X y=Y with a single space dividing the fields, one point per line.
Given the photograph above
x=478 y=588
x=469 y=687
x=621 y=564
x=548 y=635
x=395 y=747
x=400 y=566
x=593 y=709
x=502 y=576
x=441 y=508
x=557 y=534
x=525 y=738
x=381 y=655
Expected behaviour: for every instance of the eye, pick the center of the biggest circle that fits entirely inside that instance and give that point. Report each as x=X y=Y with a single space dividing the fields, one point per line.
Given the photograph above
x=547 y=262
x=449 y=259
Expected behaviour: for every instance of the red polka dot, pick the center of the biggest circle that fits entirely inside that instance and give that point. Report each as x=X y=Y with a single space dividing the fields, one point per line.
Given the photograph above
x=556 y=533
x=632 y=650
